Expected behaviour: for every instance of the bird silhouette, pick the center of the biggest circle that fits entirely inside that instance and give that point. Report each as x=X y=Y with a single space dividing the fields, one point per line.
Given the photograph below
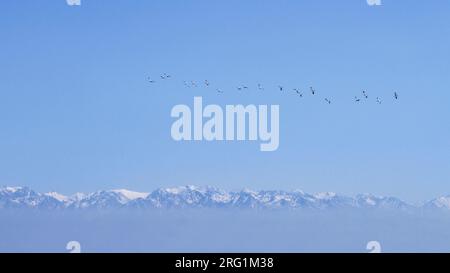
x=150 y=80
x=219 y=90
x=378 y=100
x=328 y=101
x=357 y=99
x=365 y=94
x=280 y=87
x=207 y=83
x=396 y=95
x=312 y=91
x=298 y=92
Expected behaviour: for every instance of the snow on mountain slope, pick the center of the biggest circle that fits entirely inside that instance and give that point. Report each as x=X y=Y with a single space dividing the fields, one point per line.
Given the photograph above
x=104 y=199
x=57 y=196
x=23 y=197
x=131 y=195
x=372 y=201
x=439 y=203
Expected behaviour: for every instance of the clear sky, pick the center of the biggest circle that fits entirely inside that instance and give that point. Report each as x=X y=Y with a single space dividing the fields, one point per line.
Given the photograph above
x=77 y=114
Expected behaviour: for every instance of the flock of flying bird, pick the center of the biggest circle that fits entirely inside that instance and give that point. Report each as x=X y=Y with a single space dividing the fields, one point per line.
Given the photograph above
x=260 y=87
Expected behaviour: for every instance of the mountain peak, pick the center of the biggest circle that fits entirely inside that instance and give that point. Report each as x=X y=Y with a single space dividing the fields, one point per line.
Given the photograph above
x=57 y=196
x=131 y=195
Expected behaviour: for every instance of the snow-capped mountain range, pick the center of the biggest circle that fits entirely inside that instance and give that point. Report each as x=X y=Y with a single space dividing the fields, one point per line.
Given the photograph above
x=203 y=197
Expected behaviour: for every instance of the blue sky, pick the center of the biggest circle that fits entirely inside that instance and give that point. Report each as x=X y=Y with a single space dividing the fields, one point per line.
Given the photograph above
x=76 y=112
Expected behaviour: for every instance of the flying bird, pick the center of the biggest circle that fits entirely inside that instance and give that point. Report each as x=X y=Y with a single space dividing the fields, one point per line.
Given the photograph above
x=365 y=94
x=206 y=82
x=357 y=99
x=396 y=95
x=280 y=87
x=219 y=91
x=328 y=101
x=378 y=100
x=298 y=92
x=312 y=91
x=150 y=80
